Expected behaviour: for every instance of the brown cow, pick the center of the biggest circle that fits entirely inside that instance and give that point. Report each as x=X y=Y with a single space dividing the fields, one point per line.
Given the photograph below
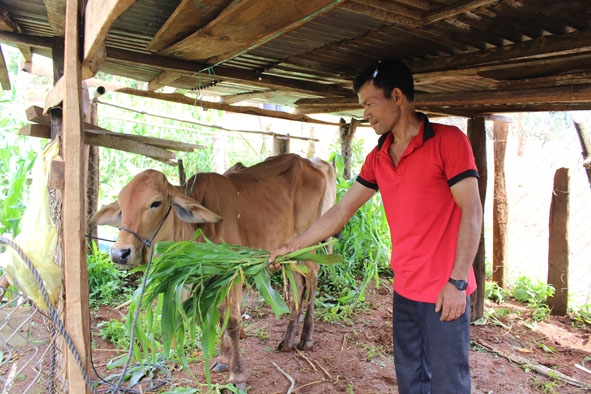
x=261 y=206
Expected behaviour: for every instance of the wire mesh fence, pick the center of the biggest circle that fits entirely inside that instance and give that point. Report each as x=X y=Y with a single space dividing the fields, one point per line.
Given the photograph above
x=534 y=154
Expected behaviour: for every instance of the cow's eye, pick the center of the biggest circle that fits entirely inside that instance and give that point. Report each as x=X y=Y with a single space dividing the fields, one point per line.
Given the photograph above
x=156 y=204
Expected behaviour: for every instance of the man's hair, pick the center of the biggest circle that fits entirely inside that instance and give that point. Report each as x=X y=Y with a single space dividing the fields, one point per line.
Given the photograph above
x=387 y=74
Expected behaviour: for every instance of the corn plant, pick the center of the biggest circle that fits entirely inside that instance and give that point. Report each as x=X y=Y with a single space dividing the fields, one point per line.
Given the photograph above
x=207 y=271
x=365 y=245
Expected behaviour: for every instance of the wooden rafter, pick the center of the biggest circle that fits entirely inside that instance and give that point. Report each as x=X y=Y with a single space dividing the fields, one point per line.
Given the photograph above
x=188 y=17
x=99 y=16
x=248 y=23
x=455 y=9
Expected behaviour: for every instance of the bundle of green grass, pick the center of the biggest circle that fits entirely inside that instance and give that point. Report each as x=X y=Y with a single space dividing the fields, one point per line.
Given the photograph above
x=207 y=271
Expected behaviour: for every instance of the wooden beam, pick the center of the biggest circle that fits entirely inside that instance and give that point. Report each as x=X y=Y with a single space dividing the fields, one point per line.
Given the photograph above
x=182 y=99
x=76 y=309
x=99 y=16
x=188 y=17
x=163 y=79
x=379 y=14
x=244 y=25
x=455 y=9
x=56 y=12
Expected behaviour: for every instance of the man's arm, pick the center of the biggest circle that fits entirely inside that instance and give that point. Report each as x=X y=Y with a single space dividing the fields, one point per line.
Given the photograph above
x=330 y=223
x=451 y=301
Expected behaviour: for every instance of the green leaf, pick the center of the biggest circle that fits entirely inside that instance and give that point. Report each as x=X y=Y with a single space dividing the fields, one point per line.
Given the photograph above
x=263 y=284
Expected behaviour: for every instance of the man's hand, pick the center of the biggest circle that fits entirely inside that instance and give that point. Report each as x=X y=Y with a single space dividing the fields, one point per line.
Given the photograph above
x=451 y=302
x=279 y=251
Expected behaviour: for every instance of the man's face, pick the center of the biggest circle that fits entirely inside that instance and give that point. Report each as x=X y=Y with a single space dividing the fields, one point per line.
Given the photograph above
x=381 y=112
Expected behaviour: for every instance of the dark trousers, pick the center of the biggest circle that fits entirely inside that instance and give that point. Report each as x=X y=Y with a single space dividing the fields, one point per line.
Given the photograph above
x=430 y=356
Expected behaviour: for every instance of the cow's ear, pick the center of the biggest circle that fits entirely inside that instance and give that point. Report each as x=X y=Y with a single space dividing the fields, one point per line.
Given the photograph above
x=189 y=210
x=108 y=215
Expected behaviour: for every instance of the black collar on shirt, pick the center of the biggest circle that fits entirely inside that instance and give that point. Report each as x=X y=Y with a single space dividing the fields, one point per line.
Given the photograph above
x=427 y=131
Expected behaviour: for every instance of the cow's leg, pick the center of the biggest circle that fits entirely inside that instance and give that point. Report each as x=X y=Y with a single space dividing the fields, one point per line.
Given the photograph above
x=288 y=342
x=306 y=340
x=222 y=364
x=237 y=373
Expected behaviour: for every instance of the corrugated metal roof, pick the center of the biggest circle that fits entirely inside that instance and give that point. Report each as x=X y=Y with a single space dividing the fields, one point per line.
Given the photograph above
x=480 y=48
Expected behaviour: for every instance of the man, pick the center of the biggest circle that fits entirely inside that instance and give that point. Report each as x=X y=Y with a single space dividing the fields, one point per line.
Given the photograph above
x=428 y=180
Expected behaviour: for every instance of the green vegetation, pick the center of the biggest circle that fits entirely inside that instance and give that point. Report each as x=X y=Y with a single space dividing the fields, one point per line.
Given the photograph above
x=108 y=284
x=534 y=294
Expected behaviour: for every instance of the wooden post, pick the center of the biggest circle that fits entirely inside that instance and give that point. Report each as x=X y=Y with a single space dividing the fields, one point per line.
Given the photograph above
x=57 y=54
x=585 y=140
x=74 y=211
x=280 y=145
x=558 y=249
x=477 y=136
x=346 y=134
x=500 y=207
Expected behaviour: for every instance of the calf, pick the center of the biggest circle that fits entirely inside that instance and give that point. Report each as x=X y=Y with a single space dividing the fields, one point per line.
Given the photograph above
x=259 y=207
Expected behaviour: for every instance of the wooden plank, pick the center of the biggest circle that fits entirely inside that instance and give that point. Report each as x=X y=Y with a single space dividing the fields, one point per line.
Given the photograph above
x=117 y=141
x=188 y=17
x=244 y=25
x=56 y=12
x=35 y=114
x=113 y=142
x=99 y=16
x=558 y=249
x=56 y=95
x=76 y=307
x=4 y=77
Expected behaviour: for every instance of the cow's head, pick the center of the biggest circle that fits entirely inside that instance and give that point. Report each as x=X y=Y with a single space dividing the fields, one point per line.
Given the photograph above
x=144 y=213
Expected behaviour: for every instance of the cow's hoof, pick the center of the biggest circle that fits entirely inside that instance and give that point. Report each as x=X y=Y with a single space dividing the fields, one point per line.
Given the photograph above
x=305 y=345
x=219 y=367
x=284 y=347
x=241 y=387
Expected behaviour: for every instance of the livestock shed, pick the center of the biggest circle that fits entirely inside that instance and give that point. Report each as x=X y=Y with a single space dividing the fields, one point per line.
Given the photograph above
x=470 y=58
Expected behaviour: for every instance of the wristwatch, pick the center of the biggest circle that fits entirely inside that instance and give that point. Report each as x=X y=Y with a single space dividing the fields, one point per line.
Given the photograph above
x=459 y=284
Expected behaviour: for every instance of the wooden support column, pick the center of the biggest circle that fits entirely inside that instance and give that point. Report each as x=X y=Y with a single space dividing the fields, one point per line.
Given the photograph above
x=74 y=210
x=477 y=136
x=346 y=134
x=500 y=207
x=558 y=249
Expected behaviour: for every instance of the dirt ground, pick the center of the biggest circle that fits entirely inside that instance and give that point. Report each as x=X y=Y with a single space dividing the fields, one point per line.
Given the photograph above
x=506 y=355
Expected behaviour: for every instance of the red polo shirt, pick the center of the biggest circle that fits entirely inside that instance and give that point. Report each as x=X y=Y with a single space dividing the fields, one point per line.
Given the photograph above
x=420 y=209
